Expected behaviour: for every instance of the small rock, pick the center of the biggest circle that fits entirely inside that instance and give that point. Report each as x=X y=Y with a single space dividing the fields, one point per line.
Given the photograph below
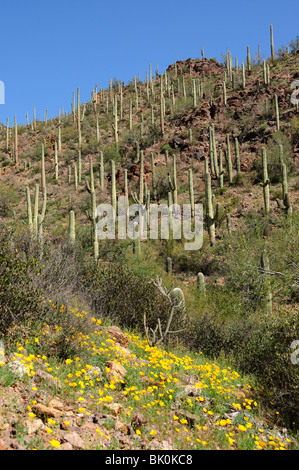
x=122 y=427
x=137 y=421
x=55 y=403
x=115 y=370
x=46 y=410
x=114 y=408
x=33 y=425
x=47 y=377
x=74 y=439
x=66 y=446
x=167 y=444
x=120 y=337
x=2 y=445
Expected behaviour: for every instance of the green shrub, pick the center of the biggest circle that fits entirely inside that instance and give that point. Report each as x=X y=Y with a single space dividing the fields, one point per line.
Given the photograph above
x=115 y=292
x=8 y=197
x=274 y=166
x=19 y=299
x=258 y=344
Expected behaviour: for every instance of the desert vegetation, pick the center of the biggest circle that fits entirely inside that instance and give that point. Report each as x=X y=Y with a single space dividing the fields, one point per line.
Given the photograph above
x=127 y=334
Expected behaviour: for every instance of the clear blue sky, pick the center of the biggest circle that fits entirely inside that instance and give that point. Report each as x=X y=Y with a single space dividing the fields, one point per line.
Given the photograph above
x=49 y=48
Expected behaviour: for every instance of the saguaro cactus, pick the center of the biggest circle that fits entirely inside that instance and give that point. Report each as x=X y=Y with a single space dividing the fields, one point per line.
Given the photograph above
x=115 y=126
x=36 y=221
x=72 y=230
x=285 y=205
x=176 y=300
x=90 y=181
x=169 y=265
x=229 y=160
x=102 y=169
x=221 y=171
x=276 y=111
x=43 y=170
x=113 y=186
x=201 y=283
x=191 y=192
x=209 y=208
x=272 y=43
x=224 y=93
x=173 y=181
x=56 y=161
x=266 y=182
x=154 y=187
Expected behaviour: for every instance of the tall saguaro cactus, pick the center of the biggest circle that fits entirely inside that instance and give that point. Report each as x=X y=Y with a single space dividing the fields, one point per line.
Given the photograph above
x=35 y=221
x=272 y=43
x=43 y=170
x=113 y=186
x=266 y=182
x=191 y=192
x=72 y=230
x=173 y=181
x=276 y=111
x=229 y=160
x=201 y=283
x=285 y=205
x=209 y=208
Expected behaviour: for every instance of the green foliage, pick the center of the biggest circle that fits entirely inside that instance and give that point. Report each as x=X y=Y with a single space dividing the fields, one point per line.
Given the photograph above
x=294 y=44
x=114 y=291
x=8 y=198
x=20 y=301
x=273 y=153
x=113 y=152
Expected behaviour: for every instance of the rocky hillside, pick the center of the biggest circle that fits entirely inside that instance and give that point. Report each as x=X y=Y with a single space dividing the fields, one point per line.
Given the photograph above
x=203 y=132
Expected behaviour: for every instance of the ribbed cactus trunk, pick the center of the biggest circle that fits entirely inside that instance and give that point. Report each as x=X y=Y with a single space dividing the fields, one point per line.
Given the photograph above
x=7 y=134
x=79 y=165
x=191 y=192
x=113 y=186
x=229 y=160
x=266 y=182
x=209 y=208
x=154 y=190
x=16 y=147
x=221 y=171
x=56 y=162
x=72 y=229
x=43 y=170
x=102 y=170
x=201 y=283
x=224 y=93
x=285 y=195
x=276 y=111
x=272 y=43
x=36 y=221
x=115 y=122
x=169 y=265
